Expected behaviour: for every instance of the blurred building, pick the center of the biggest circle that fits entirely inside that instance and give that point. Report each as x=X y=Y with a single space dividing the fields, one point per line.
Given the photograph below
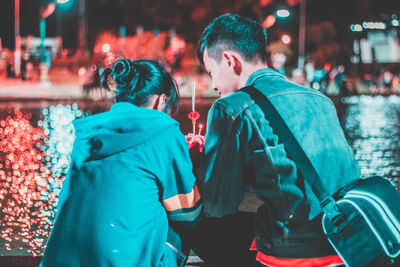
x=31 y=45
x=379 y=47
x=377 y=41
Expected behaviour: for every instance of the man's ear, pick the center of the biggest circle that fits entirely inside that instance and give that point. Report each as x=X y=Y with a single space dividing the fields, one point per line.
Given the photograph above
x=233 y=60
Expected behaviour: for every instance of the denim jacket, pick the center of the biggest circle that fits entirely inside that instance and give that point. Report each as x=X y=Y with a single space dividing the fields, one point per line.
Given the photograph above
x=242 y=154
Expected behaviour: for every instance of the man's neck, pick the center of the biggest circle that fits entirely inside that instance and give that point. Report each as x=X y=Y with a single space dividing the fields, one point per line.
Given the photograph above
x=249 y=68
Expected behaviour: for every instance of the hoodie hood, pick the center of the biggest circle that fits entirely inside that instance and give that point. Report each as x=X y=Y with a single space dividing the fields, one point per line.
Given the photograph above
x=123 y=126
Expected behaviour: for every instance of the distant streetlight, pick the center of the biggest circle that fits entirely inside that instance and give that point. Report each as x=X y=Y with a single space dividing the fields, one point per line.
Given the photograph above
x=302 y=34
x=282 y=13
x=82 y=32
x=17 y=53
x=45 y=13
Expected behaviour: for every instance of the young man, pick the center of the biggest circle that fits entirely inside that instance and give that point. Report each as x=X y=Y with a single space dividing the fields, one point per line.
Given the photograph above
x=245 y=162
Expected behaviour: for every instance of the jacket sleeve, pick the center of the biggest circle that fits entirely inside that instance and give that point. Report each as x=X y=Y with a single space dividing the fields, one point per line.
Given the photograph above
x=179 y=195
x=221 y=168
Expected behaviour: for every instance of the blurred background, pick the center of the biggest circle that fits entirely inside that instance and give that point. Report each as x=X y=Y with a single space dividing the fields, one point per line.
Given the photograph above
x=52 y=52
x=339 y=47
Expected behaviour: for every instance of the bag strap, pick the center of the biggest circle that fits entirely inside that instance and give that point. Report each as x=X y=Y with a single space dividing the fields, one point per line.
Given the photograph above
x=298 y=155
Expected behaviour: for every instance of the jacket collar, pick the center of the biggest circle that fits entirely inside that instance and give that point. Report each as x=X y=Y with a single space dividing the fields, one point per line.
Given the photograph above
x=261 y=73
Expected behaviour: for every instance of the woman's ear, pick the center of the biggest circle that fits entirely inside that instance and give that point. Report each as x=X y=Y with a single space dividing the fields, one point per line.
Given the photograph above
x=160 y=102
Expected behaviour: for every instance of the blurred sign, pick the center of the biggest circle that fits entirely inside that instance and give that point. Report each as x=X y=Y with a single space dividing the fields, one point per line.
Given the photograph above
x=374 y=25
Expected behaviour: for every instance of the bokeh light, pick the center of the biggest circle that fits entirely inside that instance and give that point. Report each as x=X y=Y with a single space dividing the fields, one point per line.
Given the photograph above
x=23 y=217
x=33 y=164
x=286 y=39
x=106 y=48
x=282 y=13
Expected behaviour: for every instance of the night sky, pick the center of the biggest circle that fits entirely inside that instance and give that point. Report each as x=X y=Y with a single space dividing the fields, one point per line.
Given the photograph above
x=109 y=15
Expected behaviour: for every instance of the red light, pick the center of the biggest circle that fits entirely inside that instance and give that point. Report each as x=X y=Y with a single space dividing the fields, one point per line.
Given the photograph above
x=269 y=21
x=265 y=3
x=48 y=10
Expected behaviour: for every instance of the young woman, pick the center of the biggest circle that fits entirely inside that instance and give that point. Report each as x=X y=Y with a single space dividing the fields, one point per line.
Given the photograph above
x=129 y=179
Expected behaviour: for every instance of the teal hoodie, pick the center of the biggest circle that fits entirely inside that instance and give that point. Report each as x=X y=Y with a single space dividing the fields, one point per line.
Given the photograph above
x=130 y=175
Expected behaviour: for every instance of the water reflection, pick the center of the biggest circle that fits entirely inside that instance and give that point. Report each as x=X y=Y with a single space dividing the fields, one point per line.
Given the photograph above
x=57 y=147
x=372 y=127
x=35 y=149
x=33 y=164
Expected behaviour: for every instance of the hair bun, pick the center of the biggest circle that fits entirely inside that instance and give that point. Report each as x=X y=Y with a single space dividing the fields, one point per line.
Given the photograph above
x=123 y=71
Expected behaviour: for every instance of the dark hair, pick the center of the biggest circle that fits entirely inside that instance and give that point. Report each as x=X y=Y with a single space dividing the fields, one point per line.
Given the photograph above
x=234 y=32
x=137 y=81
